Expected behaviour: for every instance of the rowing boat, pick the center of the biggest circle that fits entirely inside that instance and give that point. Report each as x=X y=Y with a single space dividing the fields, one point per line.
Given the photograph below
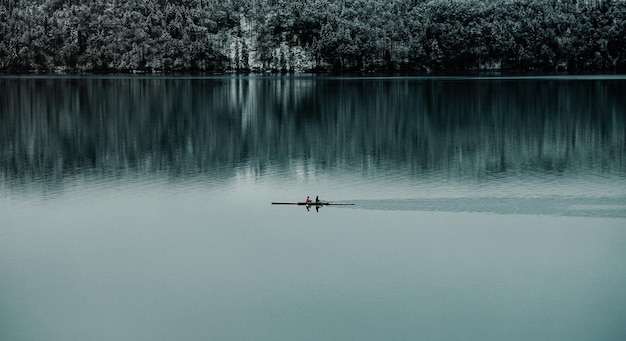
x=319 y=203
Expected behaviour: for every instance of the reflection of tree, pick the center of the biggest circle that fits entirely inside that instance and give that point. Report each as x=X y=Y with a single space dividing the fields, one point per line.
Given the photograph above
x=53 y=128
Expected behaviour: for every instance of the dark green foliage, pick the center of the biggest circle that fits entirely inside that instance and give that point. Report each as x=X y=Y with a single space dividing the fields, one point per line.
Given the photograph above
x=451 y=35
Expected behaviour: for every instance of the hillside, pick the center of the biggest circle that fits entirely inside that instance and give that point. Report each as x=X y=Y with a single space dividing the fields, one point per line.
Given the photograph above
x=311 y=35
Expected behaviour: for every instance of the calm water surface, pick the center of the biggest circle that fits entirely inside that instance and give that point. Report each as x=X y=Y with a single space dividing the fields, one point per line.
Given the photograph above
x=138 y=208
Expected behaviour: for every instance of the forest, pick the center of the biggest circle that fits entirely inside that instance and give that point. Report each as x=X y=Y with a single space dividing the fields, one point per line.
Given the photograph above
x=311 y=35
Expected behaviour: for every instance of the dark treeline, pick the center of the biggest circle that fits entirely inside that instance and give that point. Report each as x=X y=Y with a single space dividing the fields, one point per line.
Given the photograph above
x=286 y=35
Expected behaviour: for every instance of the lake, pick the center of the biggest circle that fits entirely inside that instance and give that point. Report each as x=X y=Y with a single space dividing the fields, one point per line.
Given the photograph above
x=486 y=208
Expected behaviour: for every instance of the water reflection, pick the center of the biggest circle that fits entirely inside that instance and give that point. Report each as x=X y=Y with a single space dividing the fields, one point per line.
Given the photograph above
x=156 y=208
x=54 y=130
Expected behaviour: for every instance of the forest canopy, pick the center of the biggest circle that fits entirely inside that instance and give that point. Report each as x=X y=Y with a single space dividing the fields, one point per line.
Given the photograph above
x=311 y=35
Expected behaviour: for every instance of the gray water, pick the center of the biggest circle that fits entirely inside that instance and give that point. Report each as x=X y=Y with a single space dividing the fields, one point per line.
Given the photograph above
x=138 y=208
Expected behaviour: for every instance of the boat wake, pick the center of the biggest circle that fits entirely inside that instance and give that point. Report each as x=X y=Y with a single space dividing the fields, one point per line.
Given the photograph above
x=608 y=207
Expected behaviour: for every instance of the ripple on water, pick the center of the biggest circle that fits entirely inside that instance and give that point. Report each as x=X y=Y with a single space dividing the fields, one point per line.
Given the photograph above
x=554 y=206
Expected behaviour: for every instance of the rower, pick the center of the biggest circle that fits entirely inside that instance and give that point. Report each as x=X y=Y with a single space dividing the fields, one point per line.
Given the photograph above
x=317 y=199
x=308 y=200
